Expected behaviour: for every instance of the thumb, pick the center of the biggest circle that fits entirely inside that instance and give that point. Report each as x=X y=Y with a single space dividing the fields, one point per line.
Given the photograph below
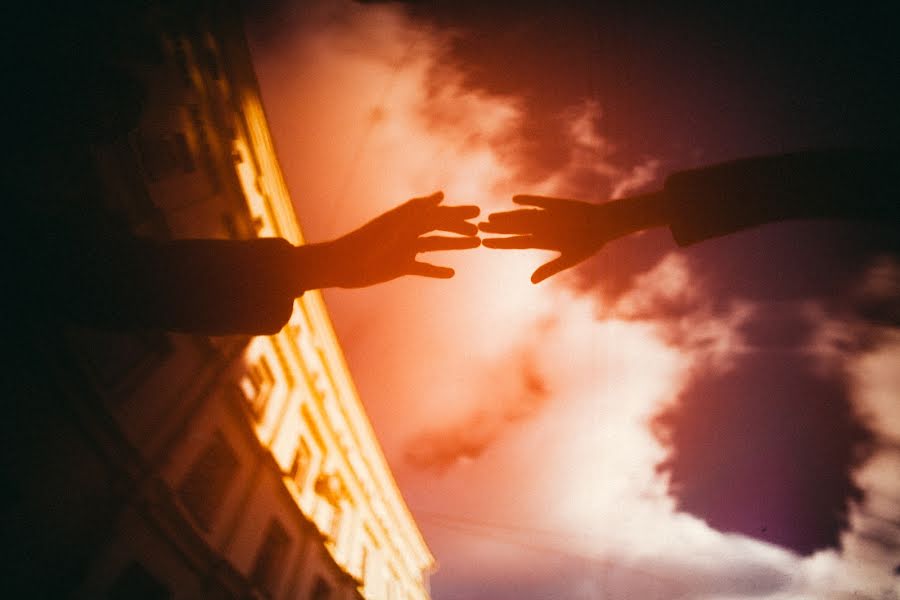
x=560 y=263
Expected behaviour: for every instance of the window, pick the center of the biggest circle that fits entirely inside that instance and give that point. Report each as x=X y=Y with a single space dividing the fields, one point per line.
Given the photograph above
x=270 y=559
x=336 y=519
x=136 y=583
x=321 y=590
x=205 y=485
x=363 y=559
x=256 y=384
x=300 y=467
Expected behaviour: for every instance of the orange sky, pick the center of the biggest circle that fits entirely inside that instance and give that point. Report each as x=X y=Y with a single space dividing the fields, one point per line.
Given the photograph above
x=501 y=404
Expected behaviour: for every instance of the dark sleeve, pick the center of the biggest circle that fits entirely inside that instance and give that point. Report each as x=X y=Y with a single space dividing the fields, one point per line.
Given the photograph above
x=212 y=287
x=845 y=184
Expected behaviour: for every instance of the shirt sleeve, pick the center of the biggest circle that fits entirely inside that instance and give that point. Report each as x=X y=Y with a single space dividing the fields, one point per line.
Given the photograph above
x=846 y=184
x=213 y=287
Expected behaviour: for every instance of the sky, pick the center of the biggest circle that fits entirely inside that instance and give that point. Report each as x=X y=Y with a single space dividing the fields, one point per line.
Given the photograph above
x=718 y=421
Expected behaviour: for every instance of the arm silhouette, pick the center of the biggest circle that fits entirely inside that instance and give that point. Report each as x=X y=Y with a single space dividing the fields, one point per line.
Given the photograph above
x=221 y=287
x=704 y=203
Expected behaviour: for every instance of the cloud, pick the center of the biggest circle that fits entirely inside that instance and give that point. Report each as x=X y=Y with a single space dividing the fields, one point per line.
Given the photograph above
x=593 y=169
x=798 y=433
x=494 y=399
x=766 y=450
x=442 y=445
x=870 y=362
x=673 y=298
x=640 y=176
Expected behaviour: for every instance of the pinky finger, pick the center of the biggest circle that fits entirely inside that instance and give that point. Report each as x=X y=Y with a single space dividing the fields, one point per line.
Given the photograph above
x=428 y=270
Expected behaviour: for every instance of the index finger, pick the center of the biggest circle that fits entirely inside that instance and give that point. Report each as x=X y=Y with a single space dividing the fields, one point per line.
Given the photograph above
x=525 y=220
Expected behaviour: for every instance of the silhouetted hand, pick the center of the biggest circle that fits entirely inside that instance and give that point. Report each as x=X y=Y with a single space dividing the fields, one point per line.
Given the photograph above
x=386 y=247
x=573 y=228
x=570 y=227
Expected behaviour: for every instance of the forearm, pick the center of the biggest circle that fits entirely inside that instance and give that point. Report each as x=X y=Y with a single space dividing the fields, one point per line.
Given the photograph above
x=318 y=266
x=705 y=203
x=722 y=199
x=213 y=287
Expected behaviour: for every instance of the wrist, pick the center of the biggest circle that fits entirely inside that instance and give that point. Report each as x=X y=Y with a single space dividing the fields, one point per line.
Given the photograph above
x=315 y=266
x=633 y=214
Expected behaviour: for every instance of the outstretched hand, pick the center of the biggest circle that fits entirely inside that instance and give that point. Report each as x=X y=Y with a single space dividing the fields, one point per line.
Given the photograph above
x=387 y=247
x=573 y=228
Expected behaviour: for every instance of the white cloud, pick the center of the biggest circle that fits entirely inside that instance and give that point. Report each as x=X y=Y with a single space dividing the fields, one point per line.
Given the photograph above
x=671 y=297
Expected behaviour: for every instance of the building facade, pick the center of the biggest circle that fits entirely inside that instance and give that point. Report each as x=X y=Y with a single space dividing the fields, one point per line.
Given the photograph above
x=190 y=466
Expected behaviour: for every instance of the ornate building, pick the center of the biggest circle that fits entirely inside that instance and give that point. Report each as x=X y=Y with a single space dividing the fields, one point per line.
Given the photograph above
x=182 y=466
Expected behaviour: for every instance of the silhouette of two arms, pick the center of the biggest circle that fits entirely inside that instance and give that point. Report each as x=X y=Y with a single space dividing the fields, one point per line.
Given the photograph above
x=704 y=203
x=219 y=287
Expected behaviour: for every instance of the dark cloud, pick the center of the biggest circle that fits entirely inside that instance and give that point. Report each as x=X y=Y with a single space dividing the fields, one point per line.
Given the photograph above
x=766 y=450
x=768 y=446
x=778 y=326
x=690 y=85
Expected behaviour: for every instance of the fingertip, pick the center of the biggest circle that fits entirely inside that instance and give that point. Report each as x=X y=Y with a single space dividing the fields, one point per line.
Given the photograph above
x=468 y=242
x=540 y=274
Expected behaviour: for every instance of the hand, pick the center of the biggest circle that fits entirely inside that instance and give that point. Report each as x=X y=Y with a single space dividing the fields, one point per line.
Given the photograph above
x=386 y=247
x=571 y=227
